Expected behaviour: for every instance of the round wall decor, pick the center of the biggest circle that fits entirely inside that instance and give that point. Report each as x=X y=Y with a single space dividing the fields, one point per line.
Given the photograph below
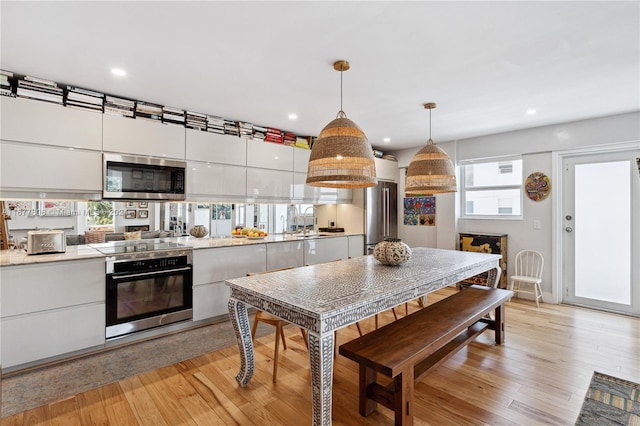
x=537 y=186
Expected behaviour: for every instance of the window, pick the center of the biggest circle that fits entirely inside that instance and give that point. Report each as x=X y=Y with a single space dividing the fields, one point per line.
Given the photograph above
x=492 y=188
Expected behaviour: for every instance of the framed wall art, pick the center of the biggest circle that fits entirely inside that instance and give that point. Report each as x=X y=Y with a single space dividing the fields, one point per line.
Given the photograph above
x=537 y=186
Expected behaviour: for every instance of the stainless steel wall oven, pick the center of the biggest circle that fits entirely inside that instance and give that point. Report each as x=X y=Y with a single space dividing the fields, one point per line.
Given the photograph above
x=148 y=289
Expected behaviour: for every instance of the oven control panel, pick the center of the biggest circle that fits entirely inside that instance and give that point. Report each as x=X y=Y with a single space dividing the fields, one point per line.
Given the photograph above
x=150 y=264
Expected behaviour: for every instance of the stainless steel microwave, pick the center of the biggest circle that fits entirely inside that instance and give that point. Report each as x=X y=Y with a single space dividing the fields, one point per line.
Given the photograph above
x=143 y=178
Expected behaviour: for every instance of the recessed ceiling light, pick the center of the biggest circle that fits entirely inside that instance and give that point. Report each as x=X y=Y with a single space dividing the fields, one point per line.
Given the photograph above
x=118 y=71
x=293 y=116
x=531 y=111
x=386 y=140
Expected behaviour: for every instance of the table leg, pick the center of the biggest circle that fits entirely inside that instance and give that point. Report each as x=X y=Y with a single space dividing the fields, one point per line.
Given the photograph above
x=321 y=361
x=240 y=321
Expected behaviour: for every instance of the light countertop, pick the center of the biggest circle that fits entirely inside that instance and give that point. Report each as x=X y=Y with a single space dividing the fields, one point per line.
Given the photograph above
x=81 y=252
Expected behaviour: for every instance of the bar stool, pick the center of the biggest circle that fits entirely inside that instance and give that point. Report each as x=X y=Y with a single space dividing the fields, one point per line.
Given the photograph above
x=276 y=322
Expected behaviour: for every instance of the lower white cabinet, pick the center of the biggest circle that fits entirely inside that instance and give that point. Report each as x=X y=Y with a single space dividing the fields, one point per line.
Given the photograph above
x=286 y=254
x=211 y=267
x=51 y=309
x=42 y=335
x=356 y=245
x=321 y=250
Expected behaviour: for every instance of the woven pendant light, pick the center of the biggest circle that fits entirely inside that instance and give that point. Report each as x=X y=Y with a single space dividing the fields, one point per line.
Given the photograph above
x=341 y=157
x=431 y=170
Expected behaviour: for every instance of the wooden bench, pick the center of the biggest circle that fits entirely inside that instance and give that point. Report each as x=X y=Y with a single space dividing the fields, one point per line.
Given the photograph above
x=409 y=348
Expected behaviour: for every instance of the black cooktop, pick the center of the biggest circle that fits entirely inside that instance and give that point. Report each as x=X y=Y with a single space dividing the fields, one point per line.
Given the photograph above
x=136 y=246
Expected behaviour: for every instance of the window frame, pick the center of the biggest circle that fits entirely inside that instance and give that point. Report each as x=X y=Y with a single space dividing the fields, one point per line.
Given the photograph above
x=464 y=189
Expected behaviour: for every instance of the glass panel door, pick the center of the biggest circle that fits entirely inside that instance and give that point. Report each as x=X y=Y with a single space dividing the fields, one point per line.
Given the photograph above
x=600 y=236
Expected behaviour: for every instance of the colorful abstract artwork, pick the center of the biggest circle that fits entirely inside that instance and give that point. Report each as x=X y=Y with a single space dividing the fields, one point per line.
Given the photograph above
x=537 y=186
x=420 y=211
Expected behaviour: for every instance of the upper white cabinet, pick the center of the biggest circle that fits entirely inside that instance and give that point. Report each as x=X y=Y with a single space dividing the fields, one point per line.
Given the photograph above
x=55 y=169
x=142 y=137
x=301 y=160
x=269 y=184
x=387 y=170
x=268 y=155
x=215 y=148
x=317 y=195
x=25 y=120
x=207 y=181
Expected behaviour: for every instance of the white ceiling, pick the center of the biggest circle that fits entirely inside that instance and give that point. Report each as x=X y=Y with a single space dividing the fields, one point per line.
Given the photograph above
x=483 y=63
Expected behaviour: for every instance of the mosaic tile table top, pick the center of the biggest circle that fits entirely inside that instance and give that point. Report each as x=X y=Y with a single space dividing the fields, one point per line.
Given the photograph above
x=322 y=298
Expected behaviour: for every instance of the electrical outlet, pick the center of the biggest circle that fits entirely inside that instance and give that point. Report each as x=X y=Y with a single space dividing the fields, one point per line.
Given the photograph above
x=536 y=224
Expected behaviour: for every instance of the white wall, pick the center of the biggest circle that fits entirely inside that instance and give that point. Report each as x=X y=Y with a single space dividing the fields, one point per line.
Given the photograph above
x=536 y=146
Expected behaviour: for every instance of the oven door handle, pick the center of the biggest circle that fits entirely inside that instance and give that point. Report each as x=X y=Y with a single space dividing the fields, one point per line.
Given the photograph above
x=165 y=271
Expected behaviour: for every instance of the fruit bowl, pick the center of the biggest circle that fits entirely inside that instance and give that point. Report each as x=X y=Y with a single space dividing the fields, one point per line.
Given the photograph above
x=248 y=233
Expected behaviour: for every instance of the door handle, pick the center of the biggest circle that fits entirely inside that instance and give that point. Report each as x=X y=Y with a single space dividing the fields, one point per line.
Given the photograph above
x=568 y=229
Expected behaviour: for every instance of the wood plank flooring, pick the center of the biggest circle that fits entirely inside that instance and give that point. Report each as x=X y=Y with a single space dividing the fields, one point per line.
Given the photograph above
x=538 y=377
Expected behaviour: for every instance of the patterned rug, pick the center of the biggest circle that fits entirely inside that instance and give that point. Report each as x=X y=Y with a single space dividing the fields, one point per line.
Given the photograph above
x=610 y=401
x=26 y=390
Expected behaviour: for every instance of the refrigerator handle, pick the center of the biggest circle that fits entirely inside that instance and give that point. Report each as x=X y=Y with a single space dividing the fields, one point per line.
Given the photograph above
x=387 y=224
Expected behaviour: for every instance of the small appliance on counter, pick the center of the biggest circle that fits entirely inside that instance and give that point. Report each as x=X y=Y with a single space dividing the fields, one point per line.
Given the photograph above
x=49 y=241
x=332 y=230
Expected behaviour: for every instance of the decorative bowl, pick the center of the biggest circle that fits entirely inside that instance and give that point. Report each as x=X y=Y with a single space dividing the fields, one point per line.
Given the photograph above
x=199 y=231
x=392 y=251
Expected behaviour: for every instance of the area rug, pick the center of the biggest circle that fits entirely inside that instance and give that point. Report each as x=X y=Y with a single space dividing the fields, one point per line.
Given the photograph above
x=610 y=401
x=36 y=387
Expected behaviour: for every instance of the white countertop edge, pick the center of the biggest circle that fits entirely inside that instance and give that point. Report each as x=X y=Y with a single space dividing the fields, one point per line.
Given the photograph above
x=82 y=252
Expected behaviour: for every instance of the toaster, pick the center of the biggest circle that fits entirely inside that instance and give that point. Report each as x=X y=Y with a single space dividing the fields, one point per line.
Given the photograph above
x=50 y=241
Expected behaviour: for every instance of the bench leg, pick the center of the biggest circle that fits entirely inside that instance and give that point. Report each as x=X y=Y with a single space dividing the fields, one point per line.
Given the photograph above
x=367 y=377
x=499 y=324
x=404 y=398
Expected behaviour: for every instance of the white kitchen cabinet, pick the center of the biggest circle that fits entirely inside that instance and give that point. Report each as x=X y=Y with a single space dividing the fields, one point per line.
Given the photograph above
x=142 y=137
x=356 y=245
x=39 y=169
x=321 y=250
x=45 y=123
x=268 y=155
x=285 y=254
x=387 y=170
x=215 y=148
x=304 y=192
x=208 y=181
x=317 y=195
x=51 y=309
x=269 y=184
x=301 y=160
x=36 y=337
x=211 y=267
x=39 y=287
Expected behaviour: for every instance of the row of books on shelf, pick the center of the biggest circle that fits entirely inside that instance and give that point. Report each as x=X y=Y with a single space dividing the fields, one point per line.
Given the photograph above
x=76 y=97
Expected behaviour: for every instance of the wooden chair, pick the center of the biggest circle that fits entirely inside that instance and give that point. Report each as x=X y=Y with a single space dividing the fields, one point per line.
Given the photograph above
x=276 y=322
x=528 y=271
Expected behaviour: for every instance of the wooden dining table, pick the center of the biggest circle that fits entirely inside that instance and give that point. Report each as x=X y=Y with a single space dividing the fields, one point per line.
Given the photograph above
x=326 y=297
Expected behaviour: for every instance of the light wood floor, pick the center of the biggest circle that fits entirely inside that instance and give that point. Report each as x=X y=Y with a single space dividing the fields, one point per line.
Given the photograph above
x=538 y=377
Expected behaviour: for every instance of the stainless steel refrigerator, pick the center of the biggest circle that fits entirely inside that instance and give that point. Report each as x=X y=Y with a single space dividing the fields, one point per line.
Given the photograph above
x=381 y=213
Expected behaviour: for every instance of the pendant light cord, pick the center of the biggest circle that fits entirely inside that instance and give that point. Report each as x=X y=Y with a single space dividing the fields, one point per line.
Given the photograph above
x=341 y=88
